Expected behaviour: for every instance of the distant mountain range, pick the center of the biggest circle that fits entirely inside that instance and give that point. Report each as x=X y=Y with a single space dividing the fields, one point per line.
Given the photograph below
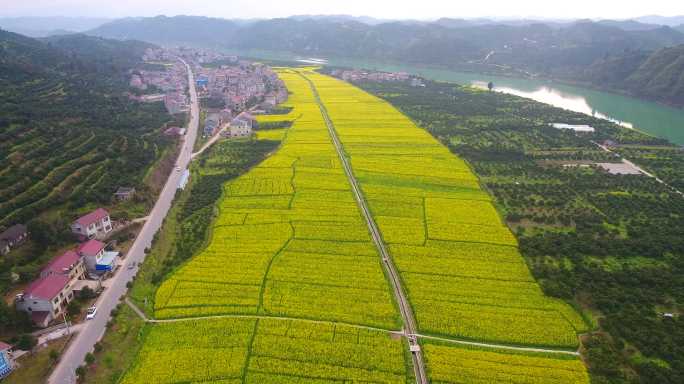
x=617 y=55
x=670 y=21
x=65 y=57
x=46 y=26
x=625 y=56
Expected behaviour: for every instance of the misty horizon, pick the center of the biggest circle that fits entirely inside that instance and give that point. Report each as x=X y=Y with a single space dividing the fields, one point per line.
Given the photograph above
x=381 y=10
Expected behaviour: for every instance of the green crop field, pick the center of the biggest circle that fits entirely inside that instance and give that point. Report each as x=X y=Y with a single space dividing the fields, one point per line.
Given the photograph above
x=291 y=260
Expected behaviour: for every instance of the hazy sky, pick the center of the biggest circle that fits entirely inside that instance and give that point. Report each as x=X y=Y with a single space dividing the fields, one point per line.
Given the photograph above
x=415 y=9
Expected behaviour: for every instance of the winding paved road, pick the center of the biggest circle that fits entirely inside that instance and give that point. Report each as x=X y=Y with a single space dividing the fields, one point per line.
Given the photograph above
x=93 y=330
x=410 y=328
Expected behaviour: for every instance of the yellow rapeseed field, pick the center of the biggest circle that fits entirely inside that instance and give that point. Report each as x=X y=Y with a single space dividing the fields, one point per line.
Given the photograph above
x=459 y=263
x=289 y=241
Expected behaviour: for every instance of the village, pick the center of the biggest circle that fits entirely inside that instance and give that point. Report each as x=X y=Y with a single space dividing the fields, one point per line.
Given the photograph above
x=77 y=274
x=230 y=92
x=355 y=75
x=165 y=80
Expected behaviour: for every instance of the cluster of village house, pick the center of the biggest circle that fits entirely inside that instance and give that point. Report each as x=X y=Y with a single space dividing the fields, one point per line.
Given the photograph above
x=362 y=75
x=46 y=298
x=240 y=86
x=170 y=83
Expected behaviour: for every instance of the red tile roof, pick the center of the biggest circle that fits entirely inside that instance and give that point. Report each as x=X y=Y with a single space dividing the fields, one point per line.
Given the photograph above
x=245 y=115
x=172 y=131
x=91 y=247
x=61 y=263
x=92 y=217
x=46 y=287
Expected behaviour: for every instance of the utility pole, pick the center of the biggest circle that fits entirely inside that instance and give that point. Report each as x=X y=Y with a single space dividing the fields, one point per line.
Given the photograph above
x=68 y=331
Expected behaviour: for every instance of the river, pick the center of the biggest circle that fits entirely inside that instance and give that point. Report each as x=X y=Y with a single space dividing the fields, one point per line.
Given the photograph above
x=653 y=118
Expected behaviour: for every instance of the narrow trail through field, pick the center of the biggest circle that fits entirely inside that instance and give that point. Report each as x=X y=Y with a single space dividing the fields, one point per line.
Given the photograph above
x=387 y=262
x=497 y=346
x=402 y=333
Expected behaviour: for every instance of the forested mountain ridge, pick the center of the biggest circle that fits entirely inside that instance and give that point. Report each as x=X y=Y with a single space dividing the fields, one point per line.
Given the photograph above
x=389 y=40
x=661 y=76
x=45 y=26
x=194 y=30
x=66 y=55
x=100 y=54
x=68 y=136
x=600 y=54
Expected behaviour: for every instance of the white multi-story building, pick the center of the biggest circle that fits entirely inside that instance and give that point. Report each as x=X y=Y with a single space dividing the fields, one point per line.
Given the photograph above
x=47 y=297
x=95 y=224
x=97 y=261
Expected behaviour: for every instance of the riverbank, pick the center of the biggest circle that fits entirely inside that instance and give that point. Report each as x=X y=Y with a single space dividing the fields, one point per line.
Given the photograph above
x=650 y=117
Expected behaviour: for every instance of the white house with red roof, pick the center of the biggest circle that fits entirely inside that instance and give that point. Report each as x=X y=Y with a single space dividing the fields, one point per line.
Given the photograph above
x=97 y=260
x=95 y=224
x=46 y=298
x=69 y=264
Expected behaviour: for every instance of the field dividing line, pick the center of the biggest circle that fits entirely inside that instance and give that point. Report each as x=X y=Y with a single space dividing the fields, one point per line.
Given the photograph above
x=497 y=346
x=387 y=262
x=142 y=315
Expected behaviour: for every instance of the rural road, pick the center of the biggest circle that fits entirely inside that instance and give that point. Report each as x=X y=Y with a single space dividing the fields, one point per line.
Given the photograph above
x=93 y=330
x=211 y=141
x=388 y=264
x=638 y=168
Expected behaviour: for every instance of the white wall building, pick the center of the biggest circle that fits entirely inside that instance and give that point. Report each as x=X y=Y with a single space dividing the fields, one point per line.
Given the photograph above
x=95 y=224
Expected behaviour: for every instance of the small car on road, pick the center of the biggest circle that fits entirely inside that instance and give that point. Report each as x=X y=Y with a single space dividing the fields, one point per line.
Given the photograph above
x=90 y=314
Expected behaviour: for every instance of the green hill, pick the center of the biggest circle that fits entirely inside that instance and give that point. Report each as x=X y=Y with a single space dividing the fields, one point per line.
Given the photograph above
x=661 y=76
x=69 y=136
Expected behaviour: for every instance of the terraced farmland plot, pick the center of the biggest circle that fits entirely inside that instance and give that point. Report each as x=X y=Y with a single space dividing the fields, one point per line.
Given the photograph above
x=193 y=351
x=289 y=240
x=265 y=351
x=296 y=352
x=466 y=365
x=460 y=265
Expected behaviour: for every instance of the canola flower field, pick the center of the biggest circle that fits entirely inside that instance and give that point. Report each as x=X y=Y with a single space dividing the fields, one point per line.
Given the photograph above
x=471 y=365
x=460 y=264
x=290 y=241
x=232 y=351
